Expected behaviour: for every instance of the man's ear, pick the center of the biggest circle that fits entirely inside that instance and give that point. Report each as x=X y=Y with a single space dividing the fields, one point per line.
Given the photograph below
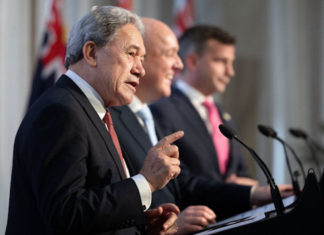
x=191 y=61
x=90 y=51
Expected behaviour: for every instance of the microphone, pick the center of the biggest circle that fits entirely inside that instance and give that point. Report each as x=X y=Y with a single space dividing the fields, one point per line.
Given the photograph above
x=310 y=144
x=269 y=132
x=273 y=134
x=230 y=133
x=303 y=134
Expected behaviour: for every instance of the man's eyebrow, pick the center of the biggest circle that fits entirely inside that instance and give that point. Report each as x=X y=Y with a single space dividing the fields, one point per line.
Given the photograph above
x=134 y=47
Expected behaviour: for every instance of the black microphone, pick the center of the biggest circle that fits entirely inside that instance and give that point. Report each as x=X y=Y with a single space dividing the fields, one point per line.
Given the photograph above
x=303 y=134
x=269 y=132
x=230 y=133
x=310 y=144
x=273 y=134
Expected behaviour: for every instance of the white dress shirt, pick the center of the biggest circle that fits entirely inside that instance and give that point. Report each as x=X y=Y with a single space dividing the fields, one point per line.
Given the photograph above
x=136 y=106
x=98 y=104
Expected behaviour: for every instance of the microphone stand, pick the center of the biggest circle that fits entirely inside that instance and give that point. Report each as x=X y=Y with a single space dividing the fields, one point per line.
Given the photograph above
x=298 y=161
x=229 y=133
x=293 y=179
x=270 y=132
x=303 y=135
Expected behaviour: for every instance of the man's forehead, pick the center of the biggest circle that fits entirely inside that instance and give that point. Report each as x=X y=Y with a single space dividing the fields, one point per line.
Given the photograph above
x=130 y=37
x=213 y=43
x=214 y=46
x=128 y=30
x=166 y=43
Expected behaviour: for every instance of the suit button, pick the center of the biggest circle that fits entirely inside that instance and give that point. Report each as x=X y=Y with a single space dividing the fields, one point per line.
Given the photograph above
x=138 y=233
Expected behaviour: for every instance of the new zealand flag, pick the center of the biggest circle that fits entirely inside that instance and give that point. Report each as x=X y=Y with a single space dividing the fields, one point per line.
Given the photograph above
x=51 y=60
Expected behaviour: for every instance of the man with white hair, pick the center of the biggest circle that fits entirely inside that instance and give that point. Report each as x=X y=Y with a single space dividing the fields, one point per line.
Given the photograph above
x=69 y=174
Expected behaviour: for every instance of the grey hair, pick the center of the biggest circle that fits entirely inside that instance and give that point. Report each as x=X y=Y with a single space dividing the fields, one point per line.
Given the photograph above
x=99 y=25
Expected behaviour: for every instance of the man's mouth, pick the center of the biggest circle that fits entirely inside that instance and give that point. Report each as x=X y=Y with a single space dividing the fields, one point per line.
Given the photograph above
x=133 y=83
x=170 y=76
x=224 y=80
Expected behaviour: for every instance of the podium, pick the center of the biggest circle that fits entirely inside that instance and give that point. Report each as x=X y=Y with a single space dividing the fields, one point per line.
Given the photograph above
x=304 y=216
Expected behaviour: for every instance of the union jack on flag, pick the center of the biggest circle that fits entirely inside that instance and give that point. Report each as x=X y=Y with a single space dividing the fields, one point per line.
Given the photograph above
x=52 y=54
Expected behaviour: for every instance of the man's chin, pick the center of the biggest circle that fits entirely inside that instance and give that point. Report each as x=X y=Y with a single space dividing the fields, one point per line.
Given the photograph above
x=123 y=101
x=166 y=93
x=220 y=89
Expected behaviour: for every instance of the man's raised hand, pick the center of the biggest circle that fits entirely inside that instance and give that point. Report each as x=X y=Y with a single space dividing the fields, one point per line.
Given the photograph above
x=162 y=162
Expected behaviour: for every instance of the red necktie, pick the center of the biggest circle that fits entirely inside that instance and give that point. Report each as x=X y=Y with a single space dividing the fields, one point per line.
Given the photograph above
x=220 y=142
x=107 y=119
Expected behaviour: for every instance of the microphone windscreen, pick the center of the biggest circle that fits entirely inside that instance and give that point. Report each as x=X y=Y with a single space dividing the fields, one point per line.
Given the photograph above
x=227 y=131
x=302 y=134
x=264 y=130
x=267 y=131
x=298 y=133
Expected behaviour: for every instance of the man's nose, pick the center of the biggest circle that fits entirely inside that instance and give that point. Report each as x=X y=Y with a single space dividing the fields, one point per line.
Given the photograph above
x=230 y=70
x=138 y=68
x=178 y=63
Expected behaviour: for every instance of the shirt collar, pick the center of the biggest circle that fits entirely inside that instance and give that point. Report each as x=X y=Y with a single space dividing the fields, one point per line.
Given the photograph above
x=195 y=96
x=136 y=104
x=92 y=95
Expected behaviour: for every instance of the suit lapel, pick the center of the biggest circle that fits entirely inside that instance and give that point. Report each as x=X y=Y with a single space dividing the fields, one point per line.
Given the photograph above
x=67 y=83
x=159 y=132
x=128 y=119
x=195 y=121
x=134 y=129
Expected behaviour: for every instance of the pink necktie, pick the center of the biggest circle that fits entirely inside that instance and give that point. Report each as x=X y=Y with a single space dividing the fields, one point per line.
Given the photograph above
x=107 y=119
x=220 y=142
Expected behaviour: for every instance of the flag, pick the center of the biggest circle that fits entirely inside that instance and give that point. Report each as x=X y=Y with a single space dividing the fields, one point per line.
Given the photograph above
x=50 y=64
x=126 y=4
x=184 y=15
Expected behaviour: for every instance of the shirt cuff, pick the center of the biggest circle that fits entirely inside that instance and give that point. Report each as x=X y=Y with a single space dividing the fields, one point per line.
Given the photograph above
x=144 y=190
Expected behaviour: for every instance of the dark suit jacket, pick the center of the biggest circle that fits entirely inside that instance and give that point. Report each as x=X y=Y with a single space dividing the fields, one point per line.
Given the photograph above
x=196 y=148
x=67 y=177
x=187 y=189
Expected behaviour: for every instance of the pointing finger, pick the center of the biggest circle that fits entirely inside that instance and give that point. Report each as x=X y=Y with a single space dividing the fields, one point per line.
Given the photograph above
x=167 y=140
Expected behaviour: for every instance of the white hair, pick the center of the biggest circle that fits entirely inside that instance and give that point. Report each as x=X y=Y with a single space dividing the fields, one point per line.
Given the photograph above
x=99 y=25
